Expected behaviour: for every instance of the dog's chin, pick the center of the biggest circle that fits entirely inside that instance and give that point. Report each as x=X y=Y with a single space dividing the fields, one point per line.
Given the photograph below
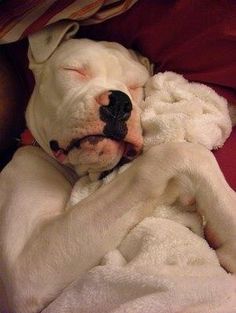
x=96 y=155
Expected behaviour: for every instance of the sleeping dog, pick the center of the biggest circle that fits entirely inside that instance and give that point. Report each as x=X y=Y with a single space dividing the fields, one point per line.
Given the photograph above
x=84 y=113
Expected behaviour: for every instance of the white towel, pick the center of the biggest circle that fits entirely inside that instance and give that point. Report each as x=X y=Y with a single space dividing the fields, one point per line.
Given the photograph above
x=160 y=267
x=176 y=110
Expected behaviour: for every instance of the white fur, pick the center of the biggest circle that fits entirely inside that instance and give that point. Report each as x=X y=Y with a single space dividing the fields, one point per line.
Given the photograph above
x=46 y=244
x=63 y=105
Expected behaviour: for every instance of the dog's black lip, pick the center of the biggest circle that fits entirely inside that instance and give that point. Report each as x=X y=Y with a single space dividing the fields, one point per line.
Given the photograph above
x=54 y=145
x=75 y=143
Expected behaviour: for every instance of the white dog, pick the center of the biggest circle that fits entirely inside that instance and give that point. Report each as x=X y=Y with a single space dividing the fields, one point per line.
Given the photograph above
x=84 y=113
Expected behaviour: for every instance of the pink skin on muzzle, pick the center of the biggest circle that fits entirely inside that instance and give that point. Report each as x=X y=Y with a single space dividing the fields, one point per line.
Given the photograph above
x=103 y=152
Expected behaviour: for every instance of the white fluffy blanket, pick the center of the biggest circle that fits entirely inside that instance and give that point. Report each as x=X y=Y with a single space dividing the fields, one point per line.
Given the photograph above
x=164 y=265
x=176 y=110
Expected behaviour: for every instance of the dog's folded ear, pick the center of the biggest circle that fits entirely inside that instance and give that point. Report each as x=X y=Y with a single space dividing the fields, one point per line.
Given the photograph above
x=43 y=43
x=143 y=60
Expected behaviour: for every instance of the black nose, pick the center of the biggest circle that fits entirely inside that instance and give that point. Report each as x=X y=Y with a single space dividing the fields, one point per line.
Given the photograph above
x=119 y=107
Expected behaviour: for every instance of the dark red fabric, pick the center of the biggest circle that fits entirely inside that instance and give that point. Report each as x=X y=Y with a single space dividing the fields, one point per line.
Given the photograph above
x=194 y=38
x=17 y=54
x=226 y=158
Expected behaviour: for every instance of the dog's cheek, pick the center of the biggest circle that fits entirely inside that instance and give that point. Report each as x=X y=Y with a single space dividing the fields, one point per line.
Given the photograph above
x=137 y=94
x=104 y=155
x=82 y=120
x=134 y=134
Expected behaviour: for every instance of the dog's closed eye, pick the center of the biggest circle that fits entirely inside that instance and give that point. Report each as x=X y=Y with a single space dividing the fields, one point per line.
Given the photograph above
x=82 y=72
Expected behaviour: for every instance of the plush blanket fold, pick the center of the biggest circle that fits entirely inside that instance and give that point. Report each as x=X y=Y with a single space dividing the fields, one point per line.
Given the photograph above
x=177 y=110
x=117 y=290
x=161 y=266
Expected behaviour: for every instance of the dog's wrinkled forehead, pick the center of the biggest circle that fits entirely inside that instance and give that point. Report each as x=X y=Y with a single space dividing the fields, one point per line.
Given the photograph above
x=83 y=62
x=55 y=45
x=100 y=59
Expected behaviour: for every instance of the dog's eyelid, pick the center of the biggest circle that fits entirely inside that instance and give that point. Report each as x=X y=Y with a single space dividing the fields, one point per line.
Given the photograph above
x=135 y=87
x=83 y=71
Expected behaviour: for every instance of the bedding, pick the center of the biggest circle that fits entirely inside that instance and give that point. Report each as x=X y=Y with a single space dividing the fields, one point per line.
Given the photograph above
x=196 y=40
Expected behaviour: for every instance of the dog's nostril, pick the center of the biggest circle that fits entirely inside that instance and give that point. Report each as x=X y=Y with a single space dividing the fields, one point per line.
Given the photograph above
x=118 y=108
x=54 y=145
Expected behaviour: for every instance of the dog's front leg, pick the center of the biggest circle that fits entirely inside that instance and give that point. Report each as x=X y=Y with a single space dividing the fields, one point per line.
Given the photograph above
x=44 y=247
x=216 y=201
x=189 y=164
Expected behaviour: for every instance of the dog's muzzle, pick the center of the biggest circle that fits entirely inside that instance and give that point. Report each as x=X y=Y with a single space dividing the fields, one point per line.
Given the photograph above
x=119 y=136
